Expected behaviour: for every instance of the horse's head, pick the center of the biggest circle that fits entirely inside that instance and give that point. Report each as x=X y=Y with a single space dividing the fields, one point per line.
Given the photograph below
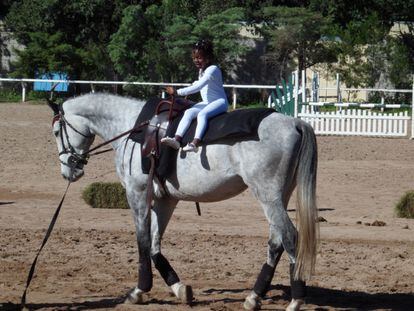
x=73 y=139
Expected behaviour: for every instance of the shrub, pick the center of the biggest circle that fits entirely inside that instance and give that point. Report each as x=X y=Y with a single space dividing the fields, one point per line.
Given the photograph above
x=105 y=195
x=405 y=207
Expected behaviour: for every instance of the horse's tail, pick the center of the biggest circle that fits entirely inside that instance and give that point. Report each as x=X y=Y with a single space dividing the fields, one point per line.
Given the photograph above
x=306 y=210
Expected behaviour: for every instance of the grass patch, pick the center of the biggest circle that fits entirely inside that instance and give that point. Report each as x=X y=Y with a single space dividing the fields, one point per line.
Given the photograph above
x=13 y=95
x=405 y=207
x=105 y=195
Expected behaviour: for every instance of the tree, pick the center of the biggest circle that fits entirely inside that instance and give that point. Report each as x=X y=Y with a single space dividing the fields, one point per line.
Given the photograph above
x=297 y=38
x=133 y=40
x=369 y=52
x=65 y=36
x=153 y=43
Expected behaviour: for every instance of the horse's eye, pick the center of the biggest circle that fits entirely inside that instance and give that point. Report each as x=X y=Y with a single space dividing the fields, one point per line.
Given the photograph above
x=56 y=133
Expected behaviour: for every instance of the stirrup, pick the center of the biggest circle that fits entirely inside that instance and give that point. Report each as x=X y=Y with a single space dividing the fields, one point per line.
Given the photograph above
x=170 y=142
x=190 y=148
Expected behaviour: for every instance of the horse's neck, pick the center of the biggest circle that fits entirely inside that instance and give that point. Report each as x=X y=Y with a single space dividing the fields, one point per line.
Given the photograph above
x=108 y=116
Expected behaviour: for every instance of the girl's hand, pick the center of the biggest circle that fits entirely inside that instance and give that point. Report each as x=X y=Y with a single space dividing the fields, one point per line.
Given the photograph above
x=170 y=90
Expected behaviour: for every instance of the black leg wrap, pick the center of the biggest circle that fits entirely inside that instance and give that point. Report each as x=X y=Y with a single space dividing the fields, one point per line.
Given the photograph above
x=167 y=272
x=145 y=275
x=264 y=280
x=297 y=287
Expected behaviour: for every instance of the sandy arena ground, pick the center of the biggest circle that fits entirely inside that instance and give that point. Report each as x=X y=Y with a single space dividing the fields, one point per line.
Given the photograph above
x=90 y=260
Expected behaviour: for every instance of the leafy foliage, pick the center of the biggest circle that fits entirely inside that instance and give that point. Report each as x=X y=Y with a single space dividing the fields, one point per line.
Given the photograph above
x=368 y=52
x=65 y=36
x=150 y=40
x=296 y=38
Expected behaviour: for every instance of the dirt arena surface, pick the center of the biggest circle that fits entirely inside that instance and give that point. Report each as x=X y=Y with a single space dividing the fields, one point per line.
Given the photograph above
x=90 y=261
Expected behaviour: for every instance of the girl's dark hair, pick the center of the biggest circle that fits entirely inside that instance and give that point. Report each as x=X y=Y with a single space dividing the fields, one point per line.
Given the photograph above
x=206 y=47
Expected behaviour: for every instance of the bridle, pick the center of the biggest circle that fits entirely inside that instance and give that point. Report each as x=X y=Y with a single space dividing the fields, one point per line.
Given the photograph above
x=75 y=159
x=78 y=160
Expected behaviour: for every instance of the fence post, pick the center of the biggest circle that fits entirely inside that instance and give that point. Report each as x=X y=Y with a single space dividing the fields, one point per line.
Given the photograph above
x=338 y=89
x=296 y=94
x=315 y=87
x=412 y=111
x=23 y=92
x=303 y=86
x=234 y=98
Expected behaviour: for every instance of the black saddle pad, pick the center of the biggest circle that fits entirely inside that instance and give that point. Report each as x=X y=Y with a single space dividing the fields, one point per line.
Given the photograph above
x=241 y=124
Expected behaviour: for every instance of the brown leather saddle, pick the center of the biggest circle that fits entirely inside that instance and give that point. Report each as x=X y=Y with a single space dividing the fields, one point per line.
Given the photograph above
x=166 y=111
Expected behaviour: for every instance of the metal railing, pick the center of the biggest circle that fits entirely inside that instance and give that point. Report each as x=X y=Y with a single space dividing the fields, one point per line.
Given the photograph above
x=233 y=87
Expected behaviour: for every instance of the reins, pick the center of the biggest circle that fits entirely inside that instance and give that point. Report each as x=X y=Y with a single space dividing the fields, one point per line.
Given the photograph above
x=134 y=129
x=47 y=235
x=73 y=160
x=56 y=214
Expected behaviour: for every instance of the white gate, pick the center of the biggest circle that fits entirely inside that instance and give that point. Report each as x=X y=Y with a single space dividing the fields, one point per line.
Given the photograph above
x=356 y=122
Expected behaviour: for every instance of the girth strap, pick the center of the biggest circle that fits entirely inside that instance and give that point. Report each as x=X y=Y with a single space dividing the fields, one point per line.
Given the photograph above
x=150 y=186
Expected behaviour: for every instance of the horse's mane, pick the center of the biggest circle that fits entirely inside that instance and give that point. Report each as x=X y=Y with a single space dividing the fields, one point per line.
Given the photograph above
x=104 y=98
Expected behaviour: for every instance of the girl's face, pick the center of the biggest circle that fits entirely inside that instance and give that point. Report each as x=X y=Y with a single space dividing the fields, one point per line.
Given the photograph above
x=199 y=60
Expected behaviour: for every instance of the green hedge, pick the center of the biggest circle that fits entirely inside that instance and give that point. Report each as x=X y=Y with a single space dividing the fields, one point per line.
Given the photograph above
x=105 y=195
x=405 y=207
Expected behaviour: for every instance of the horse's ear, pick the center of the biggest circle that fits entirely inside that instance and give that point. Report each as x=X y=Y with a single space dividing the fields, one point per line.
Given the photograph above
x=53 y=106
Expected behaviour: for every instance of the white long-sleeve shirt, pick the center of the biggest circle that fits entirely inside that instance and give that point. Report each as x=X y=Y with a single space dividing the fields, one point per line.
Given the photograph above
x=209 y=84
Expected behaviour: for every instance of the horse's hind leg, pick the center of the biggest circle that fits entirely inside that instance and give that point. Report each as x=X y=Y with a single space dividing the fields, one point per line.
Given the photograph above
x=282 y=237
x=264 y=279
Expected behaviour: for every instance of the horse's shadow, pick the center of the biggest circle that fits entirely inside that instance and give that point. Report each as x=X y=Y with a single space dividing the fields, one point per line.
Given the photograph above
x=319 y=296
x=354 y=300
x=104 y=303
x=6 y=203
x=330 y=298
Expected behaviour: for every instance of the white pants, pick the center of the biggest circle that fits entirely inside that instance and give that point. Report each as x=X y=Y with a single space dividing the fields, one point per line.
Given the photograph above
x=202 y=111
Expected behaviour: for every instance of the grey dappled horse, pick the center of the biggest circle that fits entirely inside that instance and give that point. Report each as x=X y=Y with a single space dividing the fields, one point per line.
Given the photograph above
x=285 y=156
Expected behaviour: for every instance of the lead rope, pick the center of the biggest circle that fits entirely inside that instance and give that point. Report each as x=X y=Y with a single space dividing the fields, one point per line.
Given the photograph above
x=49 y=231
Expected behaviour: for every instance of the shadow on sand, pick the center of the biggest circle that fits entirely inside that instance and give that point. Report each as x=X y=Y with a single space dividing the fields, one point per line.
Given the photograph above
x=6 y=203
x=104 y=303
x=323 y=298
x=355 y=300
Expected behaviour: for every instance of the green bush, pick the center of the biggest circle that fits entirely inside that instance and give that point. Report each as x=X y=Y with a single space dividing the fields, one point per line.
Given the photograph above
x=10 y=96
x=405 y=207
x=105 y=195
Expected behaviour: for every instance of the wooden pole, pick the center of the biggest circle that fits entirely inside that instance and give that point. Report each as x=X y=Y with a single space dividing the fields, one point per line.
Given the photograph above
x=412 y=111
x=234 y=98
x=23 y=92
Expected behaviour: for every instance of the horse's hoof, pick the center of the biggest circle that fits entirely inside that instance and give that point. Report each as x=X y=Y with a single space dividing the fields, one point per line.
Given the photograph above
x=295 y=304
x=252 y=302
x=135 y=296
x=185 y=294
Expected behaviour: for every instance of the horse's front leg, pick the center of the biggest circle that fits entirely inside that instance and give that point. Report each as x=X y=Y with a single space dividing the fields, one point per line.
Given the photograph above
x=161 y=214
x=142 y=217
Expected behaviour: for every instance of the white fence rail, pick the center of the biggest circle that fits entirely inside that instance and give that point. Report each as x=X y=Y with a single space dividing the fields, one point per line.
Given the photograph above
x=346 y=119
x=340 y=122
x=356 y=122
x=233 y=87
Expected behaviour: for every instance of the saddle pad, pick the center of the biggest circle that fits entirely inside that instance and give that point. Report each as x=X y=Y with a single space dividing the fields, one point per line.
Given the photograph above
x=241 y=124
